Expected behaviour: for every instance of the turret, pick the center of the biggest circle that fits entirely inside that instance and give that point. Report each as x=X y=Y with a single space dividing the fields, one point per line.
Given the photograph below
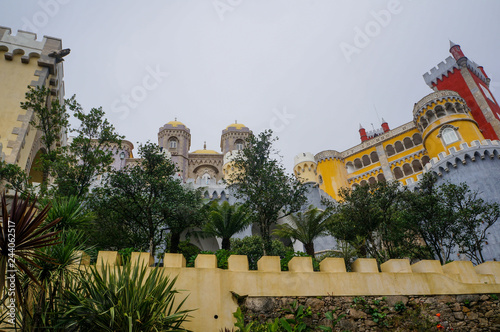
x=234 y=137
x=305 y=168
x=444 y=120
x=457 y=53
x=385 y=125
x=175 y=138
x=362 y=133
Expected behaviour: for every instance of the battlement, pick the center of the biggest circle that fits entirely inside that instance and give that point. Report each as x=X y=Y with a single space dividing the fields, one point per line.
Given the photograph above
x=328 y=154
x=477 y=151
x=26 y=44
x=303 y=157
x=211 y=290
x=449 y=66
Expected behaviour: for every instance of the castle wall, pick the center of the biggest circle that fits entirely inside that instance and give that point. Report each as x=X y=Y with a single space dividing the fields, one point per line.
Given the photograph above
x=209 y=288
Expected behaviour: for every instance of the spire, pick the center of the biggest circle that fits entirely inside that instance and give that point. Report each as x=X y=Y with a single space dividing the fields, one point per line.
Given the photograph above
x=205 y=145
x=457 y=53
x=360 y=126
x=452 y=44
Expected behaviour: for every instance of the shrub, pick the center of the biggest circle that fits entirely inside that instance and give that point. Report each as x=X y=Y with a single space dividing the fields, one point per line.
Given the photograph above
x=253 y=247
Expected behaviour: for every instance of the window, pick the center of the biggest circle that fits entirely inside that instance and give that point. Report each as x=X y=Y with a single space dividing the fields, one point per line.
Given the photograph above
x=172 y=143
x=449 y=135
x=239 y=145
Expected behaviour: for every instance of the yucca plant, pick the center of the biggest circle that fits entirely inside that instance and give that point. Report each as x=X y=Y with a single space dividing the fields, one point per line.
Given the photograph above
x=128 y=298
x=21 y=238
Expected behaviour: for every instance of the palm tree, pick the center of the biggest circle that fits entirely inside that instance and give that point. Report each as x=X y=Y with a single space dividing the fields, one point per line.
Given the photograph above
x=225 y=220
x=305 y=227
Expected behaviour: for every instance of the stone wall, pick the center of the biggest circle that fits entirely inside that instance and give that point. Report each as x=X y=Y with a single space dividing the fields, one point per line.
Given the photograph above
x=385 y=313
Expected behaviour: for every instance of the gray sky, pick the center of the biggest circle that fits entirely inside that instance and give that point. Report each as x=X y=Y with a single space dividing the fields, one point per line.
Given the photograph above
x=312 y=70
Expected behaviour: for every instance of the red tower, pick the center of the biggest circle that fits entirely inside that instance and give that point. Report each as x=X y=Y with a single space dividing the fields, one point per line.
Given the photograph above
x=470 y=81
x=362 y=133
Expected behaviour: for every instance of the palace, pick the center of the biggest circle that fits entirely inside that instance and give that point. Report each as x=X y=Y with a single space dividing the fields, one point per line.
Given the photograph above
x=453 y=133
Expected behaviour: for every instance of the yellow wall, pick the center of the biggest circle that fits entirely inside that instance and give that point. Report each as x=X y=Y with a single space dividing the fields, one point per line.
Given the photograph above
x=16 y=77
x=334 y=176
x=307 y=170
x=467 y=132
x=209 y=288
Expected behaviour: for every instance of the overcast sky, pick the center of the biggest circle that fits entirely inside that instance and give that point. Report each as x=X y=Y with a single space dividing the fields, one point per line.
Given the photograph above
x=311 y=70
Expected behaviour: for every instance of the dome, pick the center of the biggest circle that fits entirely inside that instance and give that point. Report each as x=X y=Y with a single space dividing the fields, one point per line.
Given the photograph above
x=176 y=123
x=237 y=126
x=205 y=151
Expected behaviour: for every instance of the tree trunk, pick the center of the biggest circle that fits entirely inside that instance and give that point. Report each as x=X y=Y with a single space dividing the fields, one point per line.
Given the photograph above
x=309 y=249
x=174 y=242
x=226 y=244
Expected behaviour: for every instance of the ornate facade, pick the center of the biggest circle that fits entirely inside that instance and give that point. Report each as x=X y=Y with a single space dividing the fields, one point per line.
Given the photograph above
x=454 y=134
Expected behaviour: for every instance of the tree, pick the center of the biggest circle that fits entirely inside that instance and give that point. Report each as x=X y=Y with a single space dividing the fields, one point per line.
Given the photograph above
x=473 y=215
x=51 y=119
x=13 y=177
x=262 y=183
x=143 y=201
x=225 y=220
x=432 y=219
x=371 y=215
x=89 y=154
x=305 y=227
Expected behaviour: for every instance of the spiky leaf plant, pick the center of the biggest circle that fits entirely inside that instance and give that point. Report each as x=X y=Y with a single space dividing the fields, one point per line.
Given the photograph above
x=128 y=298
x=21 y=237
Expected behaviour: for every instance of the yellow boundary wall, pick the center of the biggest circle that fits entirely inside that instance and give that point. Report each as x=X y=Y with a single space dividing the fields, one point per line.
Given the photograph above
x=209 y=288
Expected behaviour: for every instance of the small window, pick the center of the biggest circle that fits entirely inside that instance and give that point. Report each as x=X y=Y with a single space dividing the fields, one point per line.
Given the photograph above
x=449 y=135
x=172 y=143
x=239 y=145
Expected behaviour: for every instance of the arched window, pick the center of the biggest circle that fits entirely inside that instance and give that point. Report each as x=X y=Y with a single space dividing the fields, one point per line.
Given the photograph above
x=398 y=174
x=407 y=142
x=389 y=150
x=366 y=160
x=430 y=116
x=381 y=177
x=417 y=139
x=357 y=163
x=423 y=122
x=372 y=180
x=450 y=109
x=407 y=169
x=425 y=160
x=320 y=178
x=350 y=167
x=440 y=111
x=239 y=144
x=374 y=156
x=363 y=183
x=448 y=134
x=417 y=166
x=172 y=143
x=399 y=146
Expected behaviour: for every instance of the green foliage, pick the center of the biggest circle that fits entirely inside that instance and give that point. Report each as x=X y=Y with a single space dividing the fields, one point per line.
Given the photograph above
x=13 y=177
x=225 y=220
x=305 y=227
x=330 y=315
x=89 y=154
x=263 y=184
x=494 y=297
x=252 y=246
x=143 y=201
x=369 y=218
x=127 y=299
x=30 y=235
x=190 y=251
x=126 y=254
x=70 y=210
x=399 y=306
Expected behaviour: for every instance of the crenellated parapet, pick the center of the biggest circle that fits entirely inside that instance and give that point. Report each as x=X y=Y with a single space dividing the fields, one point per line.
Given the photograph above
x=211 y=290
x=476 y=152
x=328 y=155
x=444 y=68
